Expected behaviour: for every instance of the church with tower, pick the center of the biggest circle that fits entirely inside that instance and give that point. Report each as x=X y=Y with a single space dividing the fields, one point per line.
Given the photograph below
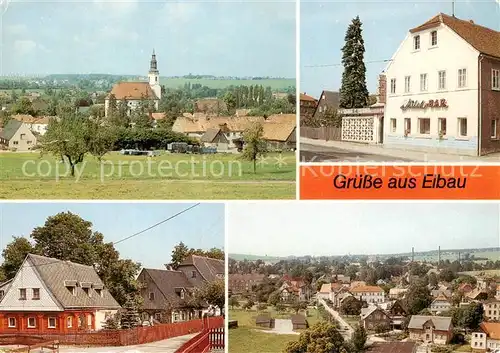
x=132 y=93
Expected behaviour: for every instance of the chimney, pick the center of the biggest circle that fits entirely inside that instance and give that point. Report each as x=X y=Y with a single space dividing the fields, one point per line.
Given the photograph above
x=472 y=22
x=382 y=88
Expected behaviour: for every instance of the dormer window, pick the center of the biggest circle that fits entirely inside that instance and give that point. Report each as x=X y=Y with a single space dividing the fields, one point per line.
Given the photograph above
x=182 y=294
x=434 y=38
x=99 y=292
x=87 y=291
x=416 y=43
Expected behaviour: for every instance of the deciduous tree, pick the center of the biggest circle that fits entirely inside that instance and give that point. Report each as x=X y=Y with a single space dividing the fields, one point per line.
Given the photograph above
x=255 y=145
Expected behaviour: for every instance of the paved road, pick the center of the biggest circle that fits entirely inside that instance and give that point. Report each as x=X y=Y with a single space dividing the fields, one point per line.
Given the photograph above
x=312 y=153
x=347 y=329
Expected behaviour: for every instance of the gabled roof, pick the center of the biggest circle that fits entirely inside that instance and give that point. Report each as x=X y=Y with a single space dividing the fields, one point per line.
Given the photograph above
x=210 y=135
x=54 y=273
x=298 y=319
x=492 y=329
x=367 y=289
x=440 y=323
x=133 y=90
x=484 y=40
x=305 y=97
x=10 y=129
x=167 y=281
x=370 y=310
x=278 y=132
x=209 y=268
x=392 y=347
x=441 y=298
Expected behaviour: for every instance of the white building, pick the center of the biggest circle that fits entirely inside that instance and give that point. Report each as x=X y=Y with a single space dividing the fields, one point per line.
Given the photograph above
x=440 y=304
x=487 y=337
x=369 y=294
x=133 y=93
x=433 y=100
x=492 y=310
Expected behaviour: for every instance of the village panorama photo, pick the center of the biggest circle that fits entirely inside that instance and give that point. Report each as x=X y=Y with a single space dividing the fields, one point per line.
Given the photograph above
x=164 y=100
x=363 y=277
x=112 y=278
x=400 y=81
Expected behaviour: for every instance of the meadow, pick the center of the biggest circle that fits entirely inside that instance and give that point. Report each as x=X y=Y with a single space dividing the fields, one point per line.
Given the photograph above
x=168 y=176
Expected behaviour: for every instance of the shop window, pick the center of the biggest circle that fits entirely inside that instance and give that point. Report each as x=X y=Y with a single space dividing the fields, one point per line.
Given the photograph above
x=462 y=127
x=442 y=126
x=407 y=126
x=393 y=125
x=424 y=126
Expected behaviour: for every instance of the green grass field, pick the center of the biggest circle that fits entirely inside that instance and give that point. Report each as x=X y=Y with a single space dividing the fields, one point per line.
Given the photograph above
x=247 y=338
x=169 y=176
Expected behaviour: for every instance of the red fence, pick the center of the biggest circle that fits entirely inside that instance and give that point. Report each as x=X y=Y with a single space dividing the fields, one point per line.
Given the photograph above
x=138 y=335
x=212 y=337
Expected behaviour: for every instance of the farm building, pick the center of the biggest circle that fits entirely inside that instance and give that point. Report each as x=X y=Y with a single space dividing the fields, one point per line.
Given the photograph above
x=299 y=322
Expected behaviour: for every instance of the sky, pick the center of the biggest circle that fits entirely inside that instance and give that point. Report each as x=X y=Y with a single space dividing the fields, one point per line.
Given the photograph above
x=201 y=227
x=333 y=228
x=222 y=38
x=323 y=25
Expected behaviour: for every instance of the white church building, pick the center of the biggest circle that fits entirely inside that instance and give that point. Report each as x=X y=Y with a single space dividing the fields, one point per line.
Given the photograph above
x=132 y=93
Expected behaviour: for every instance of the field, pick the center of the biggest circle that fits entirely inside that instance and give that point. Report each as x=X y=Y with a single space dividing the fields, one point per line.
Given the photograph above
x=168 y=176
x=275 y=84
x=247 y=338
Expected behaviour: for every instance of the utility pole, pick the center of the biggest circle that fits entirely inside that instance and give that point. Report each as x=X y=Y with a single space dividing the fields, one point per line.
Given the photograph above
x=453 y=8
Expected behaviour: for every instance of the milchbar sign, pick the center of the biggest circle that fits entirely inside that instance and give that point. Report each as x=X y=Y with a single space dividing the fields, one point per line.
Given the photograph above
x=431 y=103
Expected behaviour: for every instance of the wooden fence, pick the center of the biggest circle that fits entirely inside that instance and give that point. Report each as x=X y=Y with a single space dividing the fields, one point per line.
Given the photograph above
x=326 y=133
x=211 y=338
x=137 y=335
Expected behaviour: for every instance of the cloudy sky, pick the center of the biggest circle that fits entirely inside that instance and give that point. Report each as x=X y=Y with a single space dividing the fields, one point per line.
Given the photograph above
x=117 y=221
x=335 y=228
x=234 y=38
x=385 y=25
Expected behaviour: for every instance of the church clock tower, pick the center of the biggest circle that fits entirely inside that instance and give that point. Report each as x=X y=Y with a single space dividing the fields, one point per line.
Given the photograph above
x=154 y=76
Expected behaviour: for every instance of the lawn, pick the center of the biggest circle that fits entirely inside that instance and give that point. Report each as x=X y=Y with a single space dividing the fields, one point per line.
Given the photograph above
x=168 y=176
x=247 y=340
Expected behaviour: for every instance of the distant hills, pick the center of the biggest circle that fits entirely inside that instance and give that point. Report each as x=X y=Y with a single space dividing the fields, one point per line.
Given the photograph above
x=490 y=253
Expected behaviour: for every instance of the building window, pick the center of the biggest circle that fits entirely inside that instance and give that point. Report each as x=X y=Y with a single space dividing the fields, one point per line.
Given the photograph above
x=434 y=38
x=193 y=274
x=52 y=322
x=416 y=43
x=36 y=294
x=72 y=289
x=407 y=126
x=495 y=79
x=12 y=322
x=158 y=316
x=407 y=84
x=151 y=296
x=23 y=136
x=182 y=294
x=31 y=322
x=2 y=293
x=393 y=85
x=493 y=131
x=423 y=82
x=462 y=78
x=393 y=125
x=462 y=127
x=22 y=293
x=442 y=126
x=69 y=322
x=442 y=79
x=16 y=142
x=99 y=292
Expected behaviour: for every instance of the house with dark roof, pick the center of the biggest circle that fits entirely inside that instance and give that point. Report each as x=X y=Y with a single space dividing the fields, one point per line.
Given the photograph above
x=328 y=101
x=17 y=136
x=307 y=106
x=167 y=294
x=132 y=94
x=430 y=329
x=443 y=89
x=374 y=318
x=214 y=137
x=50 y=295
x=299 y=322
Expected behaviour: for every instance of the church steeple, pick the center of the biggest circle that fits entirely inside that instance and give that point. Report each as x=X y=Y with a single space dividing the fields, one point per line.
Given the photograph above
x=154 y=76
x=154 y=65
